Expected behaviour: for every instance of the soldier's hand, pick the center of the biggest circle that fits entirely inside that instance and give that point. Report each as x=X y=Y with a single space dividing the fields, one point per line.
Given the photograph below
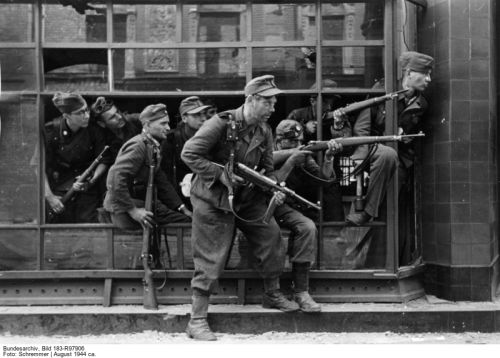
x=279 y=198
x=404 y=140
x=236 y=179
x=80 y=186
x=339 y=119
x=143 y=217
x=298 y=157
x=186 y=211
x=311 y=127
x=333 y=148
x=55 y=203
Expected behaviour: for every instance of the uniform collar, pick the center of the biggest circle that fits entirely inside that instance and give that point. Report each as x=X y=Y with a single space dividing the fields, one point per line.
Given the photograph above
x=149 y=139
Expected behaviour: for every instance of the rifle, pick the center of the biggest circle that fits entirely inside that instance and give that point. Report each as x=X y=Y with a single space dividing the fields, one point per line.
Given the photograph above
x=318 y=145
x=333 y=116
x=149 y=294
x=268 y=184
x=81 y=179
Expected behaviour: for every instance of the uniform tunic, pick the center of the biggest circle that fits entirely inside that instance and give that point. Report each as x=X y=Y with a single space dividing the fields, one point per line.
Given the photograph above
x=67 y=155
x=213 y=222
x=171 y=162
x=384 y=163
x=127 y=182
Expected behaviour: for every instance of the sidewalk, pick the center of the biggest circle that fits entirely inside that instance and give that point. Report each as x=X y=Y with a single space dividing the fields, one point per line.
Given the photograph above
x=428 y=314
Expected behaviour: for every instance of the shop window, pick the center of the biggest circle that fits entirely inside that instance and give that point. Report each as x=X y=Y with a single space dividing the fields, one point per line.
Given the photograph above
x=74 y=23
x=18 y=249
x=19 y=160
x=353 y=21
x=75 y=69
x=283 y=22
x=198 y=69
x=358 y=67
x=18 y=69
x=16 y=23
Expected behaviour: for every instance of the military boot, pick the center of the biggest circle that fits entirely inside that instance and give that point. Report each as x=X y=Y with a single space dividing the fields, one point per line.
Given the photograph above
x=277 y=299
x=198 y=327
x=273 y=298
x=300 y=276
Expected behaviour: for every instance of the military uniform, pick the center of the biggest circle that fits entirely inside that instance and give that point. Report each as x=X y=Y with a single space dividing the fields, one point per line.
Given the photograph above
x=127 y=182
x=131 y=128
x=171 y=163
x=67 y=155
x=213 y=222
x=383 y=164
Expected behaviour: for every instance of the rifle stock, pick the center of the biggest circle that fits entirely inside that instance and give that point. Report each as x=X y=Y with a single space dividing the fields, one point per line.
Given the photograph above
x=149 y=294
x=81 y=179
x=354 y=141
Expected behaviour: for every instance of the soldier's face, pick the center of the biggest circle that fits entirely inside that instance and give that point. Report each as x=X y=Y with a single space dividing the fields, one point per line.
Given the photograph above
x=263 y=107
x=418 y=81
x=159 y=128
x=80 y=117
x=290 y=143
x=113 y=119
x=194 y=121
x=328 y=102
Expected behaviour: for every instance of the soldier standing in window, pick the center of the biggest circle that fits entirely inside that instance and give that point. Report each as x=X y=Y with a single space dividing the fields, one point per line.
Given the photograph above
x=384 y=162
x=193 y=114
x=118 y=127
x=71 y=145
x=243 y=134
x=303 y=175
x=128 y=177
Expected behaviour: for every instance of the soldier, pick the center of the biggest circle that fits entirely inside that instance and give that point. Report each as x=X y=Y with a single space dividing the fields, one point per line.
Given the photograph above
x=118 y=127
x=306 y=116
x=128 y=177
x=71 y=145
x=303 y=173
x=193 y=114
x=371 y=121
x=244 y=135
x=303 y=232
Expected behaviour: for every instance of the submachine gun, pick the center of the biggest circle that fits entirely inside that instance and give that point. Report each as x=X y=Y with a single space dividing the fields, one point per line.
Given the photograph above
x=69 y=195
x=337 y=116
x=268 y=185
x=149 y=291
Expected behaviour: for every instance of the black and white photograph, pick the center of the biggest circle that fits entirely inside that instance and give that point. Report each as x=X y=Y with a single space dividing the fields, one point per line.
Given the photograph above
x=279 y=177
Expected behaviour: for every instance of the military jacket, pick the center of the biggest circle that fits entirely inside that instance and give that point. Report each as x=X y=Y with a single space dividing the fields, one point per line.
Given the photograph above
x=371 y=121
x=128 y=177
x=68 y=154
x=254 y=149
x=171 y=162
x=131 y=128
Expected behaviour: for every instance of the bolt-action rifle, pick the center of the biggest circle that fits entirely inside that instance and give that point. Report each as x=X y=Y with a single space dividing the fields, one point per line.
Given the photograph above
x=280 y=156
x=69 y=195
x=318 y=145
x=149 y=294
x=338 y=116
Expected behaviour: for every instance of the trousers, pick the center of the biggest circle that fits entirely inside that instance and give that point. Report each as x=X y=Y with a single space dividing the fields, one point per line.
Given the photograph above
x=303 y=233
x=212 y=233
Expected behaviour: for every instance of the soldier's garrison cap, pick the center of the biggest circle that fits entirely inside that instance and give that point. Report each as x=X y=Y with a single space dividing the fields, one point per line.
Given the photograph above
x=263 y=86
x=152 y=113
x=416 y=61
x=67 y=102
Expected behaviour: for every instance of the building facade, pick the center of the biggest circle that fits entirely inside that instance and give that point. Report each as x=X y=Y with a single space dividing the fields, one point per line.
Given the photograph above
x=144 y=52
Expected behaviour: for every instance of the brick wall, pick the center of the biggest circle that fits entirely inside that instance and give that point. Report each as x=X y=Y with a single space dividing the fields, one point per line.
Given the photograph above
x=460 y=222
